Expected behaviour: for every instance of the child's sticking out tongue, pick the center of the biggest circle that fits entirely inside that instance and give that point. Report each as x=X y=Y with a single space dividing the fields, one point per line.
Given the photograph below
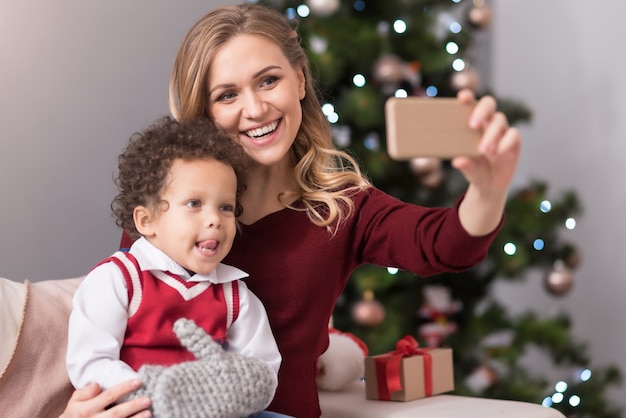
x=209 y=244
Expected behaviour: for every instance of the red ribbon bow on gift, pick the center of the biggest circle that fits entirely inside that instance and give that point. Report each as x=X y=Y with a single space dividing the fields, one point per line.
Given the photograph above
x=388 y=368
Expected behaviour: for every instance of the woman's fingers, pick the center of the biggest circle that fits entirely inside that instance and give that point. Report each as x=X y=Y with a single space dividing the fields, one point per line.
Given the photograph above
x=90 y=402
x=493 y=134
x=483 y=112
x=83 y=394
x=136 y=408
x=466 y=96
x=143 y=414
x=115 y=393
x=499 y=145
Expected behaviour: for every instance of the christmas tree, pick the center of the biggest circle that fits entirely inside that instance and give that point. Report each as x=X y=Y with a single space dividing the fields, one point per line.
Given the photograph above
x=365 y=51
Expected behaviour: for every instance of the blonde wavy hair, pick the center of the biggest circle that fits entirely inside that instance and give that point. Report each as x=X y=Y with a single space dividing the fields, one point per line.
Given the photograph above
x=326 y=177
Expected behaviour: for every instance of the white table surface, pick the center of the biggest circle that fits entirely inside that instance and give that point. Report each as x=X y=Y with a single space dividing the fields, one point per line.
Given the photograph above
x=351 y=403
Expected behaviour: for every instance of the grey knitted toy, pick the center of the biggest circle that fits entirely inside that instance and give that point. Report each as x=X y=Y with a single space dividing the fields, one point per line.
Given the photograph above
x=219 y=384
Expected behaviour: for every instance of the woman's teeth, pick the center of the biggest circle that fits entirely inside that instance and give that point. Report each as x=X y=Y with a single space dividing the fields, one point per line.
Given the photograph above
x=255 y=133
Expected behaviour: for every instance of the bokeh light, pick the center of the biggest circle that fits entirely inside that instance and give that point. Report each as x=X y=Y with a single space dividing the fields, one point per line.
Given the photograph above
x=574 y=400
x=452 y=48
x=458 y=64
x=358 y=80
x=432 y=91
x=557 y=398
x=545 y=206
x=510 y=248
x=399 y=26
x=303 y=10
x=402 y=93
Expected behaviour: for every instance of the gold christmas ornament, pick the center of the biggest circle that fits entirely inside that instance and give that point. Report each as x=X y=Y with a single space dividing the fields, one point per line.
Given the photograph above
x=368 y=312
x=465 y=79
x=391 y=72
x=433 y=179
x=480 y=15
x=560 y=280
x=424 y=165
x=389 y=68
x=428 y=170
x=323 y=7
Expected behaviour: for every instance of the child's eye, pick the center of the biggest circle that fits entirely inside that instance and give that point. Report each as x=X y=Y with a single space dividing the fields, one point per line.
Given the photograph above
x=193 y=203
x=227 y=208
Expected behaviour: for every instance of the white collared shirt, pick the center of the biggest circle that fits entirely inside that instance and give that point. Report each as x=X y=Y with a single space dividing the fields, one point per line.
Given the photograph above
x=100 y=314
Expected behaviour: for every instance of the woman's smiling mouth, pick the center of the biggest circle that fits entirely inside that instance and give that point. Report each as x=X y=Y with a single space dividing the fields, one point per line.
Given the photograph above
x=260 y=132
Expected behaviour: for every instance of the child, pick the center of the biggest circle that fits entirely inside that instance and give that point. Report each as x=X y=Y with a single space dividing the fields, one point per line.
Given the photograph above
x=179 y=185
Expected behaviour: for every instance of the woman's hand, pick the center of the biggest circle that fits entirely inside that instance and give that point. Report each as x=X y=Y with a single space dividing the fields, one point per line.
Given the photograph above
x=490 y=174
x=90 y=401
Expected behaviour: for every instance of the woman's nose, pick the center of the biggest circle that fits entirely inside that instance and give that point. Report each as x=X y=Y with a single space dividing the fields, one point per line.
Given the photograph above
x=253 y=105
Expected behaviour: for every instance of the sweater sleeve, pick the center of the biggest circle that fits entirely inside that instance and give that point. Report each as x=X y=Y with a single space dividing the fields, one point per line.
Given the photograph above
x=416 y=238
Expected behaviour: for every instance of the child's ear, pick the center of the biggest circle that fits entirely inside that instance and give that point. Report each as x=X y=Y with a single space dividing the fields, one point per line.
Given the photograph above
x=143 y=218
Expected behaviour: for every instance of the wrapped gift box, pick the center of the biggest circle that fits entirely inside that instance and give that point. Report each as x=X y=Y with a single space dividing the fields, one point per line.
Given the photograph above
x=409 y=372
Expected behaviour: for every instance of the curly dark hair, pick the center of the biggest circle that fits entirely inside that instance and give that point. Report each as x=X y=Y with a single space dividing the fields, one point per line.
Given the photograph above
x=145 y=163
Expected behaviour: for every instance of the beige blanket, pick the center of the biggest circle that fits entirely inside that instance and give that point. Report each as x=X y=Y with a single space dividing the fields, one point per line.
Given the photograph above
x=33 y=339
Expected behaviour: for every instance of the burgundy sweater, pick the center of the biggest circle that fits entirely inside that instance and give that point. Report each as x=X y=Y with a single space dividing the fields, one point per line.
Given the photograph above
x=298 y=270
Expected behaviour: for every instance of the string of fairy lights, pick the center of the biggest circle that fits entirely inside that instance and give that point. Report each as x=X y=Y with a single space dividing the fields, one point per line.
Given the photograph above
x=538 y=244
x=561 y=393
x=479 y=15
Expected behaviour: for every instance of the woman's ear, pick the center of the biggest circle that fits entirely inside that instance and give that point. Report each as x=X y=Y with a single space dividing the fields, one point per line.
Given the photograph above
x=143 y=218
x=301 y=84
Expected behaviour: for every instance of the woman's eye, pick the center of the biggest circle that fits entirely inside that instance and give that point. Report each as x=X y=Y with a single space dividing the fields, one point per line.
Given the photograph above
x=269 y=81
x=193 y=203
x=225 y=96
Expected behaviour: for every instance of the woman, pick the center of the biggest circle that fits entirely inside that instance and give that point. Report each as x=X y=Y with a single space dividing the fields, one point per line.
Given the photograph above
x=310 y=217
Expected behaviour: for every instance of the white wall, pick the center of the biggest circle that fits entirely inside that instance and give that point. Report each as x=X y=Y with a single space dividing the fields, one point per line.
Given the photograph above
x=565 y=60
x=76 y=79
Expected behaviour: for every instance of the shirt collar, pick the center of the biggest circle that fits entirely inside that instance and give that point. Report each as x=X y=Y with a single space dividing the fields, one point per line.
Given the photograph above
x=151 y=258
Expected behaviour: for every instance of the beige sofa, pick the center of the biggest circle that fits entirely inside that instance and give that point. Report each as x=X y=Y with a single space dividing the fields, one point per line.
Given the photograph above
x=33 y=328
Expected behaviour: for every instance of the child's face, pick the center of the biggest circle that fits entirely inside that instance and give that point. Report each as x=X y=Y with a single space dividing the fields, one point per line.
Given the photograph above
x=196 y=224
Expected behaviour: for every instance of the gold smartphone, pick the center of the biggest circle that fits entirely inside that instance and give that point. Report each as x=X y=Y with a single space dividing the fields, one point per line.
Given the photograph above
x=429 y=127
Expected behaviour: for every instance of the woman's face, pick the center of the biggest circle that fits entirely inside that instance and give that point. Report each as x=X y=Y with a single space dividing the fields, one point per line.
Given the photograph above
x=255 y=93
